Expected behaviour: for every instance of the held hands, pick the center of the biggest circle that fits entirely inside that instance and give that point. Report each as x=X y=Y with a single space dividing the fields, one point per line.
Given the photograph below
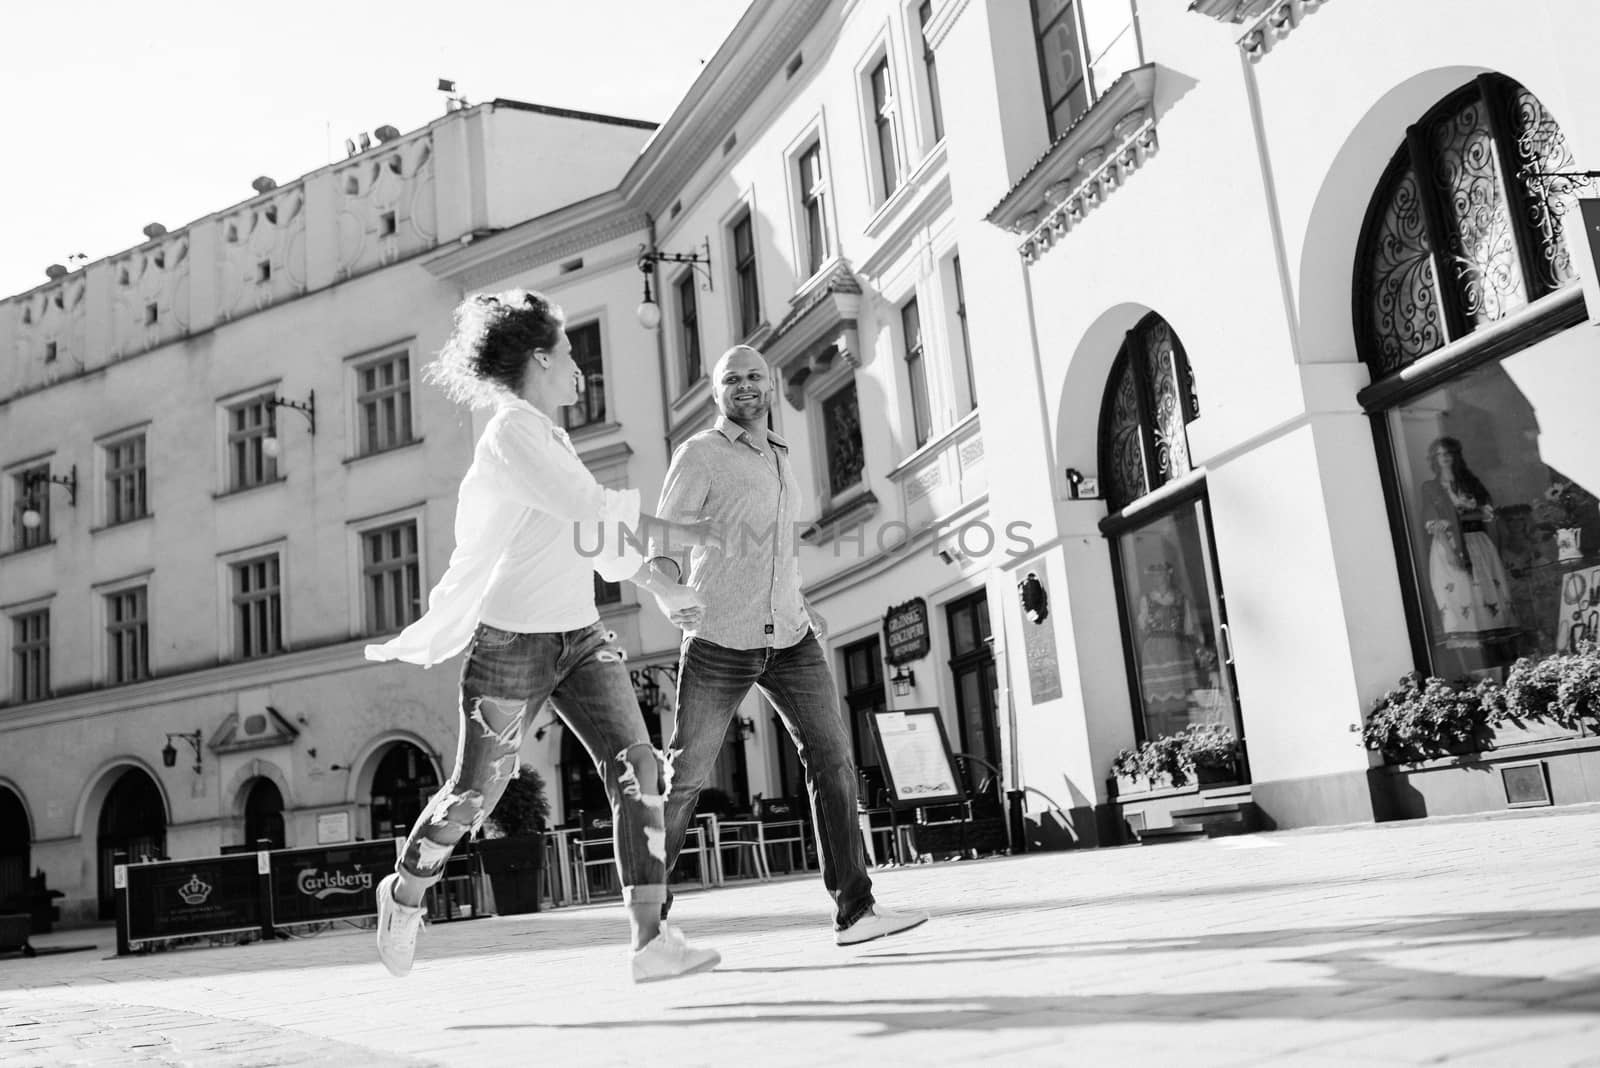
x=682 y=605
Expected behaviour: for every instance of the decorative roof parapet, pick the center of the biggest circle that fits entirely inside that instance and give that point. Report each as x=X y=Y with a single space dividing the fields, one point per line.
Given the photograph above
x=1274 y=25
x=1085 y=164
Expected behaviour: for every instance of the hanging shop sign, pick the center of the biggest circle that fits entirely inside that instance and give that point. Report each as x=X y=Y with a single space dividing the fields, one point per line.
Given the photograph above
x=905 y=631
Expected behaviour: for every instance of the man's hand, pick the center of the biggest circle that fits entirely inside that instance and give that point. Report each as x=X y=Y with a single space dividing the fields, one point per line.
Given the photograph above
x=682 y=605
x=819 y=625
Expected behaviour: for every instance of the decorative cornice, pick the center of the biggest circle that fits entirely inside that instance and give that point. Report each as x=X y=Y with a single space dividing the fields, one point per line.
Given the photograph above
x=1235 y=11
x=546 y=239
x=340 y=655
x=944 y=19
x=752 y=55
x=1081 y=151
x=1274 y=25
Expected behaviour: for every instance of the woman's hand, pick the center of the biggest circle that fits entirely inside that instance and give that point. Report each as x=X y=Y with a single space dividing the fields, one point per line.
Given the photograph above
x=682 y=605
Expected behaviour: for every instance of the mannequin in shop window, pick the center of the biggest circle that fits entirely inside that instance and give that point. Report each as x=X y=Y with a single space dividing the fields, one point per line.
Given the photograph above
x=1467 y=576
x=1167 y=648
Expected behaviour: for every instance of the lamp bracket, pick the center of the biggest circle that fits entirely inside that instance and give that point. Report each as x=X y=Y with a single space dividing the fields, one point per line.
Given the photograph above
x=307 y=408
x=45 y=478
x=193 y=738
x=699 y=261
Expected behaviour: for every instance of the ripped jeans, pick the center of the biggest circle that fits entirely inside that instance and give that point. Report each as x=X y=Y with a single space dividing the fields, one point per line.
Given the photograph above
x=506 y=679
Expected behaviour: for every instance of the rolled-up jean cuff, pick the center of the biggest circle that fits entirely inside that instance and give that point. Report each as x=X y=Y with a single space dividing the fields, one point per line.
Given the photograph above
x=645 y=895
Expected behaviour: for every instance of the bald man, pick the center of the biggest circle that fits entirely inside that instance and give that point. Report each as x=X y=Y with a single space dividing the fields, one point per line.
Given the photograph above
x=758 y=630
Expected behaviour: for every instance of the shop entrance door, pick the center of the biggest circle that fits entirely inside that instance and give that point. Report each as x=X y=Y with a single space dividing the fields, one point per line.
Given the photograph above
x=1180 y=659
x=973 y=671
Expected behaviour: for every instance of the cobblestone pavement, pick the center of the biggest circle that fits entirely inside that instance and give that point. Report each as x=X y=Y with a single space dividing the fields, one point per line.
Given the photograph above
x=1466 y=941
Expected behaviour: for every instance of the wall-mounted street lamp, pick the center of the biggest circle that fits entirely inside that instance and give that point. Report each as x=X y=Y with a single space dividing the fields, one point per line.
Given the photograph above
x=649 y=312
x=903 y=678
x=169 y=752
x=307 y=408
x=34 y=482
x=747 y=728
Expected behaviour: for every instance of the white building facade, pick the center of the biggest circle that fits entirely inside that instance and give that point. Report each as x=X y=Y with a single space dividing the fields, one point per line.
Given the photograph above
x=1121 y=348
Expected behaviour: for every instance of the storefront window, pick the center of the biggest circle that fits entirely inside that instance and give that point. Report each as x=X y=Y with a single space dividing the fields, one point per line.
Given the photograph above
x=1498 y=478
x=1172 y=617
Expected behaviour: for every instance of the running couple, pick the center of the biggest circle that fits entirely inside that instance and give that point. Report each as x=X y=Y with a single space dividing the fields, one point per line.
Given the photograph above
x=517 y=596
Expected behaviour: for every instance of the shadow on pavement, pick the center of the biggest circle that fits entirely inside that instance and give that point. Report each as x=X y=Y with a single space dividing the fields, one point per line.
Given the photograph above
x=1351 y=973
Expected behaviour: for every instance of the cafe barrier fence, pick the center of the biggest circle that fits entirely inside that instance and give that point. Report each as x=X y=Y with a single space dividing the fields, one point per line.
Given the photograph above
x=245 y=893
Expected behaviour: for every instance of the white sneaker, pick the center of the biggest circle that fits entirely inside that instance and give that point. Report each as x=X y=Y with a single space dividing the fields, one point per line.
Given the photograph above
x=878 y=923
x=397 y=929
x=669 y=955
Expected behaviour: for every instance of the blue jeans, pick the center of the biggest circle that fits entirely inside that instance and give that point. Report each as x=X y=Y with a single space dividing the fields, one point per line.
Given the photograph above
x=506 y=678
x=712 y=681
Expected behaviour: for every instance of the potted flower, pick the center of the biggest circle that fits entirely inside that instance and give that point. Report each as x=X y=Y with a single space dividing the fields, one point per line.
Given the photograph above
x=1563 y=508
x=1202 y=753
x=1563 y=689
x=512 y=848
x=1426 y=718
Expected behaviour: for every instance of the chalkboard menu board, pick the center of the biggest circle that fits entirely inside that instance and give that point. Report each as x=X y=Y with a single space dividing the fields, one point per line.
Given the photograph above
x=916 y=758
x=180 y=898
x=329 y=882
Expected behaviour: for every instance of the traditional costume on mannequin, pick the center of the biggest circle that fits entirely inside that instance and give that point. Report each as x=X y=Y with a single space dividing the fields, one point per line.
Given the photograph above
x=1167 y=669
x=1468 y=579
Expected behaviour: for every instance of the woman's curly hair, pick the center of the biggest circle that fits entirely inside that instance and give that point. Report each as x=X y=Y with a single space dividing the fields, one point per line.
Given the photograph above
x=493 y=340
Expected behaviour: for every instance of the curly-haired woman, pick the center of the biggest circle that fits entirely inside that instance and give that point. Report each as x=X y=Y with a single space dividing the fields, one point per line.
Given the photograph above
x=519 y=598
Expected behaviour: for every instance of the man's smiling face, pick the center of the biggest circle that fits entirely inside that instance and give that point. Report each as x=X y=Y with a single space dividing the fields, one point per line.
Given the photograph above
x=743 y=385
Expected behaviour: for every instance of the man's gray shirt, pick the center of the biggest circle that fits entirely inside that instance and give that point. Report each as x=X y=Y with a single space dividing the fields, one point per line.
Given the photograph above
x=746 y=486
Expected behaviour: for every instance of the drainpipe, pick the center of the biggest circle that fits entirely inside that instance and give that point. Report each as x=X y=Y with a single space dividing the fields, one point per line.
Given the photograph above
x=1016 y=828
x=661 y=346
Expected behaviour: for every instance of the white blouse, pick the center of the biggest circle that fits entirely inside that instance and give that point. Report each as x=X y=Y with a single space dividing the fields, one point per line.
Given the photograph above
x=529 y=520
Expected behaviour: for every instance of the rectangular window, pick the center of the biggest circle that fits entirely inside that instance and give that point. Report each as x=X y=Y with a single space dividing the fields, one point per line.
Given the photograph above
x=30 y=519
x=930 y=69
x=30 y=656
x=127 y=636
x=606 y=592
x=1500 y=501
x=813 y=208
x=125 y=480
x=383 y=403
x=591 y=406
x=391 y=573
x=249 y=426
x=257 y=608
x=841 y=434
x=744 y=268
x=689 y=329
x=916 y=371
x=1084 y=46
x=883 y=127
x=966 y=338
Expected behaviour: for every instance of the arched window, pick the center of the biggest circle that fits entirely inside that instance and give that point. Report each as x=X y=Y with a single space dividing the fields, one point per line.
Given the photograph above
x=1149 y=404
x=401 y=787
x=1467 y=224
x=1489 y=454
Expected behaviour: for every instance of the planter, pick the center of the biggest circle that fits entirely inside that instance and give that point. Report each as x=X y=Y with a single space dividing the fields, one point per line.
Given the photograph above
x=513 y=866
x=1451 y=786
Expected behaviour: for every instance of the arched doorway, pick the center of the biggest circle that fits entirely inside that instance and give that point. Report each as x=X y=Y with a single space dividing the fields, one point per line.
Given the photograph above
x=1488 y=459
x=15 y=843
x=263 y=814
x=401 y=787
x=133 y=820
x=1169 y=592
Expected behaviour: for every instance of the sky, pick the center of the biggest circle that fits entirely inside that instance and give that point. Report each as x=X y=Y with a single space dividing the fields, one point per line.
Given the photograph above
x=165 y=111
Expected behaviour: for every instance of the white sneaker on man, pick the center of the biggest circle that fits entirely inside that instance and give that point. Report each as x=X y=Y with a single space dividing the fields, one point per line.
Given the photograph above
x=878 y=923
x=669 y=954
x=397 y=929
